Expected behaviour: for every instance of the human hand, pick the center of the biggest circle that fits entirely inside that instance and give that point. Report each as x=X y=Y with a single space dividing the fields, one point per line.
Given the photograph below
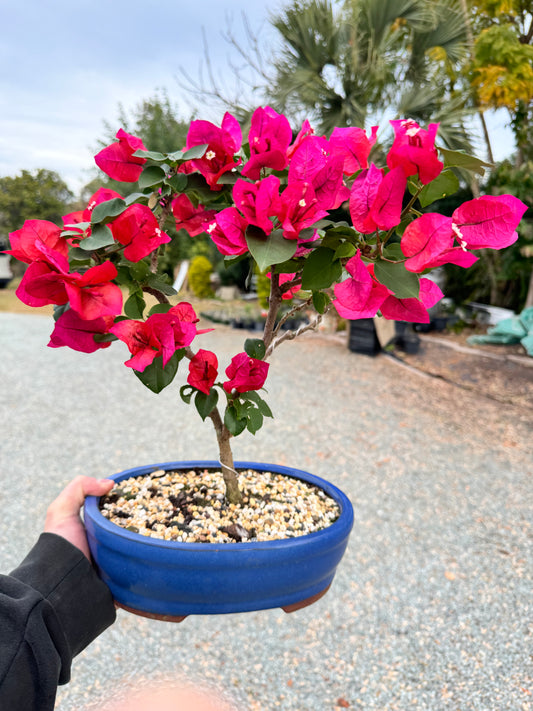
x=63 y=515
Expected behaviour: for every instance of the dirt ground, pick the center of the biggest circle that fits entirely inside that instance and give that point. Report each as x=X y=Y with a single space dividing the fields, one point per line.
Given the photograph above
x=503 y=373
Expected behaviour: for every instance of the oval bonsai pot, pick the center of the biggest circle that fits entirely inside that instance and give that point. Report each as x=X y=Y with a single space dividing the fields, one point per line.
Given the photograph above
x=170 y=580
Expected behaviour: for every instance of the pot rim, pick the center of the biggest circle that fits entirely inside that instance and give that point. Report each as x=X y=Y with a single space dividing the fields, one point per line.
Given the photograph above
x=341 y=526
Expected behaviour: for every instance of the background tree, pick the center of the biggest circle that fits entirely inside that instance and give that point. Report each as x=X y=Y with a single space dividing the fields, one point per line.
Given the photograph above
x=351 y=63
x=37 y=195
x=501 y=70
x=156 y=121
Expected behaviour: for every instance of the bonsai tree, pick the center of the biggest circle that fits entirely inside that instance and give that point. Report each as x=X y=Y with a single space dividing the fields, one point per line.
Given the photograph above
x=311 y=211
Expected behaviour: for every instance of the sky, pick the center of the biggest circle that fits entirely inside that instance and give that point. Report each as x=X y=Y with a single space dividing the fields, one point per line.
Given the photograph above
x=66 y=65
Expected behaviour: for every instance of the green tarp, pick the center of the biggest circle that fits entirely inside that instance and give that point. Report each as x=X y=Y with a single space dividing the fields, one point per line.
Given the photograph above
x=517 y=329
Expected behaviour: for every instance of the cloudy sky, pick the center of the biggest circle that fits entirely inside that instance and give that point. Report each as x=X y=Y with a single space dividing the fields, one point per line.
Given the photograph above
x=65 y=65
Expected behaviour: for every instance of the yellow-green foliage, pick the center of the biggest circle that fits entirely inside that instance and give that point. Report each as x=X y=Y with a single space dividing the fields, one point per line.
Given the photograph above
x=199 y=277
x=503 y=67
x=263 y=288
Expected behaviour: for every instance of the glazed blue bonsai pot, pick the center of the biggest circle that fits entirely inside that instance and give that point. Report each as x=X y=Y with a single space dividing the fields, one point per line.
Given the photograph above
x=170 y=580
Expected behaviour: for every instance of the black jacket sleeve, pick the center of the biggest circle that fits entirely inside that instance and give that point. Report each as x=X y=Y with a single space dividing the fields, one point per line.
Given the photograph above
x=51 y=607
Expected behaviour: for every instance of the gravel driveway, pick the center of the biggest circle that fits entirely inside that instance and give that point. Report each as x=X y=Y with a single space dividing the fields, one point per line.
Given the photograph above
x=432 y=605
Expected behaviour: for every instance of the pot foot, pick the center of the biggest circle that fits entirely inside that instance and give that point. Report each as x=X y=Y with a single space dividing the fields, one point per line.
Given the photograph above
x=304 y=603
x=151 y=615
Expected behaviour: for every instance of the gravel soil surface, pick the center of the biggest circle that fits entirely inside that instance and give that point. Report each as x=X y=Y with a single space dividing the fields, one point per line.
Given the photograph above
x=432 y=605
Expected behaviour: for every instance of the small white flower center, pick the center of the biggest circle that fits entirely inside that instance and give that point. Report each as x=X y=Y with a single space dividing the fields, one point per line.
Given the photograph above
x=302 y=203
x=210 y=155
x=211 y=227
x=459 y=236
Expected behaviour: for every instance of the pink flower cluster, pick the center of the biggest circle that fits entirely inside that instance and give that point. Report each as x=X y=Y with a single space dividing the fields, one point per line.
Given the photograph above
x=284 y=187
x=315 y=184
x=244 y=373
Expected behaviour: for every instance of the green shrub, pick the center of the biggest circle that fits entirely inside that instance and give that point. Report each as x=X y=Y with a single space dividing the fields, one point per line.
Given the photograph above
x=200 y=277
x=262 y=288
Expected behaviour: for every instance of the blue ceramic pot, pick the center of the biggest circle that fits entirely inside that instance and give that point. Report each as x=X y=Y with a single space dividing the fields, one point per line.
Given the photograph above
x=170 y=580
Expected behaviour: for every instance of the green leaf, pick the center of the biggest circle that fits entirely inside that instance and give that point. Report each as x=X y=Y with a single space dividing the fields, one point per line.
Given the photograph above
x=195 y=152
x=254 y=396
x=345 y=251
x=156 y=282
x=269 y=250
x=155 y=377
x=149 y=155
x=186 y=393
x=206 y=403
x=341 y=228
x=321 y=301
x=104 y=337
x=447 y=183
x=393 y=251
x=458 y=159
x=153 y=175
x=59 y=310
x=234 y=424
x=101 y=236
x=255 y=348
x=135 y=305
x=228 y=178
x=139 y=270
x=321 y=270
x=254 y=421
x=291 y=266
x=134 y=197
x=307 y=235
x=160 y=309
x=404 y=284
x=177 y=182
x=108 y=209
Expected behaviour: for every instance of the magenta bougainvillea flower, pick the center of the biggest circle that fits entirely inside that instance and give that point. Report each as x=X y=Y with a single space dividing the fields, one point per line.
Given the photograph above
x=77 y=333
x=138 y=229
x=101 y=195
x=488 y=221
x=42 y=284
x=203 y=371
x=92 y=294
x=245 y=374
x=298 y=209
x=258 y=201
x=48 y=281
x=376 y=199
x=313 y=162
x=27 y=243
x=160 y=335
x=190 y=218
x=354 y=146
x=413 y=310
x=222 y=144
x=117 y=160
x=228 y=232
x=141 y=341
x=414 y=150
x=361 y=295
x=305 y=131
x=269 y=139
x=429 y=242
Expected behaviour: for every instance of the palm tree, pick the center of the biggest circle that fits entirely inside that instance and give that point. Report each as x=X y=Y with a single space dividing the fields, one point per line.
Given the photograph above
x=346 y=63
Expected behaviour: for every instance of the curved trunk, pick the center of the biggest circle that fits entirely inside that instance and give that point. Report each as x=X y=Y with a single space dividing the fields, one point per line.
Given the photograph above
x=233 y=493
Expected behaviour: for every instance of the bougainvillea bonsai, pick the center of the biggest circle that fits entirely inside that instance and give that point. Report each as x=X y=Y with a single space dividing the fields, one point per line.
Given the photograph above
x=312 y=212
